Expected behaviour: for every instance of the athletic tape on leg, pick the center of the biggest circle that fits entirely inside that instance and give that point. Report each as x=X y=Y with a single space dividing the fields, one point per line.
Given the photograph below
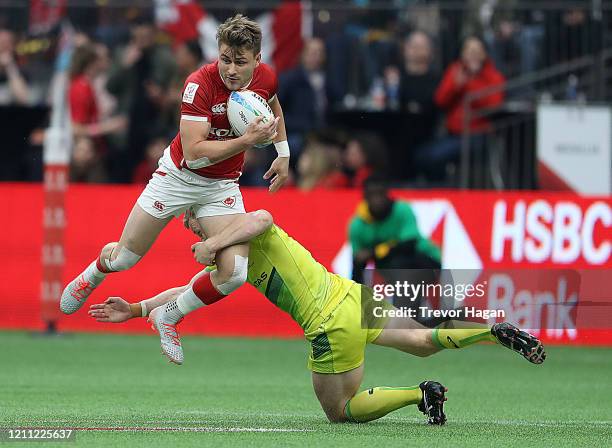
x=125 y=260
x=239 y=276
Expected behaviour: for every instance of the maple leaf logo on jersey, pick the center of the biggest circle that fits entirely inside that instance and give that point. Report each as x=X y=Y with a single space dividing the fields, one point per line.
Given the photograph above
x=230 y=201
x=219 y=109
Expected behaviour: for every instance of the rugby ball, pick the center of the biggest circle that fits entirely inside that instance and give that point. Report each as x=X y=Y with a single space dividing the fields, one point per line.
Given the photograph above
x=243 y=107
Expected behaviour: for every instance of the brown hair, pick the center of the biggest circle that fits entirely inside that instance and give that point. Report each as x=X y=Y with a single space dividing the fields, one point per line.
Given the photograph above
x=82 y=58
x=240 y=32
x=317 y=161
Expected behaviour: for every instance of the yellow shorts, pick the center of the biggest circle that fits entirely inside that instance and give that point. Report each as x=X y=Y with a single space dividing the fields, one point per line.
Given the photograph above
x=338 y=343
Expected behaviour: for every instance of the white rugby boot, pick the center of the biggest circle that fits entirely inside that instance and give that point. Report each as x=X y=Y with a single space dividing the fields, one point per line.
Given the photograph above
x=164 y=320
x=78 y=290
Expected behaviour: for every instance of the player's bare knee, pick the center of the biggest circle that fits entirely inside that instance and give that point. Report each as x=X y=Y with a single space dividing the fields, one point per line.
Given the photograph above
x=264 y=218
x=258 y=222
x=335 y=418
x=335 y=414
x=107 y=251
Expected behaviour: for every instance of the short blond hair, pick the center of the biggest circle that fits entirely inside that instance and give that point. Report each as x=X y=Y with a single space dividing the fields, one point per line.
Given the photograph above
x=240 y=32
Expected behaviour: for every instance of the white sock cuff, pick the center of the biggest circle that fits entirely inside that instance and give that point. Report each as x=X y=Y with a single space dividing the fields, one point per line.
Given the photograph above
x=93 y=275
x=188 y=301
x=93 y=270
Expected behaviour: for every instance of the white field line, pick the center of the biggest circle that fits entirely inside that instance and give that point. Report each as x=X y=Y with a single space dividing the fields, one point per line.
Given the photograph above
x=179 y=429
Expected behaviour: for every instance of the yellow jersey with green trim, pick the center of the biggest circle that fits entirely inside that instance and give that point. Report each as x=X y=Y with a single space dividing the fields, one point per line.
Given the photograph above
x=288 y=275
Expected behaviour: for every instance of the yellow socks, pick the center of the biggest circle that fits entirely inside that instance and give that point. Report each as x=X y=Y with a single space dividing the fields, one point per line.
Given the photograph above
x=461 y=337
x=374 y=403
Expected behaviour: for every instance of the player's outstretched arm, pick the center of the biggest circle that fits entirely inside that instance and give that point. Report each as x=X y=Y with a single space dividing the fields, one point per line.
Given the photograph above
x=279 y=170
x=117 y=310
x=242 y=229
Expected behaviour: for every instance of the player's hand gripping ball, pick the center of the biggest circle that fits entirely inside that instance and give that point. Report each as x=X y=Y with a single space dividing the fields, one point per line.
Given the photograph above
x=243 y=107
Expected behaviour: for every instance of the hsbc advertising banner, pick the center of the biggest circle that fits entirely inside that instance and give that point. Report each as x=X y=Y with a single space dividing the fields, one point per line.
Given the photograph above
x=476 y=230
x=500 y=238
x=493 y=234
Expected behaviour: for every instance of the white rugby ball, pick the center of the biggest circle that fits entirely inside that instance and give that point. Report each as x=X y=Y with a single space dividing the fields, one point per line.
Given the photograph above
x=243 y=107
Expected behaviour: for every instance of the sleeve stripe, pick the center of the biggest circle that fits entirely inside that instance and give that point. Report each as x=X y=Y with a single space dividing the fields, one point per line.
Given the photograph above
x=272 y=99
x=193 y=118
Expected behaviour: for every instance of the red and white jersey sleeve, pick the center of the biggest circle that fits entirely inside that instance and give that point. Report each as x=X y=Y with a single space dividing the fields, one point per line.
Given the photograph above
x=196 y=103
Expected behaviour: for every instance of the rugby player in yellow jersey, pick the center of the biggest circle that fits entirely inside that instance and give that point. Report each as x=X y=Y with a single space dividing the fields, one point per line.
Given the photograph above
x=329 y=310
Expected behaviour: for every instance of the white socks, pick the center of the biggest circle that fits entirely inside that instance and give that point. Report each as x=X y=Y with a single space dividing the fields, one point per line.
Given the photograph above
x=187 y=301
x=172 y=313
x=93 y=275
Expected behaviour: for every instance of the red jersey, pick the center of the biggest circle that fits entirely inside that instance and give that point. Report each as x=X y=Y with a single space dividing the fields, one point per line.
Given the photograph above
x=82 y=99
x=205 y=99
x=449 y=96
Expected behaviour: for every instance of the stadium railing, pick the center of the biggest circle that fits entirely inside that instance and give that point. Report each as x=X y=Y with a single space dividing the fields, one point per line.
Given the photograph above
x=505 y=156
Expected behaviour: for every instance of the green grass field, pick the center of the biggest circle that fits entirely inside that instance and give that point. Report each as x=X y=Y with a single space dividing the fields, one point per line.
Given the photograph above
x=240 y=392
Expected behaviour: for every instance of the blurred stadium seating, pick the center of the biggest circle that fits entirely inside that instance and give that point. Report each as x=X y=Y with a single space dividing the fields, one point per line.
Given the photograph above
x=545 y=49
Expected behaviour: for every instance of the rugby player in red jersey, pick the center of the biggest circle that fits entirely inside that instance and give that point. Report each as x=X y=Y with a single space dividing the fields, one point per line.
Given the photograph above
x=200 y=170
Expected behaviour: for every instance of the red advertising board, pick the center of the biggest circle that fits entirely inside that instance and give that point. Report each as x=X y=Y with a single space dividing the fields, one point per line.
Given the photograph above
x=475 y=230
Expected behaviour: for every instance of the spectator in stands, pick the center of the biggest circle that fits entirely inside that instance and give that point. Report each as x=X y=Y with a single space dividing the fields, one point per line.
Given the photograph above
x=495 y=21
x=384 y=231
x=85 y=66
x=81 y=38
x=375 y=36
x=13 y=85
x=305 y=95
x=392 y=77
x=572 y=34
x=418 y=80
x=364 y=155
x=141 y=74
x=418 y=84
x=107 y=103
x=81 y=95
x=319 y=167
x=189 y=58
x=86 y=164
x=474 y=71
x=530 y=36
x=144 y=170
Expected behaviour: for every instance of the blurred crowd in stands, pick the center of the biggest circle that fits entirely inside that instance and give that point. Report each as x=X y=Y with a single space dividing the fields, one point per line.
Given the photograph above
x=126 y=79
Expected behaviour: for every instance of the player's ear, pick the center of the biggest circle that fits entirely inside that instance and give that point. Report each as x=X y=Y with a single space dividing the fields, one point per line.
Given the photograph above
x=257 y=58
